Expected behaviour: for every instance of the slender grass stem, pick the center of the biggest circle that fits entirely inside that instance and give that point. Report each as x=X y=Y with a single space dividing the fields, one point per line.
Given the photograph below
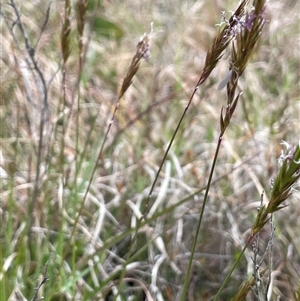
x=187 y=277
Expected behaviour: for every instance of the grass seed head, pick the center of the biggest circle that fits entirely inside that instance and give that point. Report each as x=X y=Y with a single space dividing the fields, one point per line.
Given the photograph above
x=288 y=175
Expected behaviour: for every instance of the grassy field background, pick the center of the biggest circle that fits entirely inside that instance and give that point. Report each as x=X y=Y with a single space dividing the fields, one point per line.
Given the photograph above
x=50 y=145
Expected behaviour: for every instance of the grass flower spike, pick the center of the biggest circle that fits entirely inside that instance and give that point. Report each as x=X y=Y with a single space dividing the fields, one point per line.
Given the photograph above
x=142 y=52
x=288 y=175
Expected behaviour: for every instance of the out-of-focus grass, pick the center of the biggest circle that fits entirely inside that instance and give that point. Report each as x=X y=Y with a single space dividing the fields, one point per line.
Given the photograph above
x=268 y=113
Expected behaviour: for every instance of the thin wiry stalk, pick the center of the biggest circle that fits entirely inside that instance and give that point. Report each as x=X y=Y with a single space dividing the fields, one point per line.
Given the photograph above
x=270 y=247
x=259 y=289
x=65 y=50
x=187 y=277
x=45 y=22
x=43 y=117
x=81 y=14
x=246 y=287
x=65 y=39
x=82 y=6
x=255 y=249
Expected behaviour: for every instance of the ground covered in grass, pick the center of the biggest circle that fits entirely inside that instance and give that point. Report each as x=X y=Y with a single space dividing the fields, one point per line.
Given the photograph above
x=85 y=212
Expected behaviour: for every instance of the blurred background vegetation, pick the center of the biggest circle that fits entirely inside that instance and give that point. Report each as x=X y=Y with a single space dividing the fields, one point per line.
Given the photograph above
x=80 y=102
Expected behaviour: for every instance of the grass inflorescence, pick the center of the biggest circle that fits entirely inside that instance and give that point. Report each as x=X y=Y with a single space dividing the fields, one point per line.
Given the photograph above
x=149 y=166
